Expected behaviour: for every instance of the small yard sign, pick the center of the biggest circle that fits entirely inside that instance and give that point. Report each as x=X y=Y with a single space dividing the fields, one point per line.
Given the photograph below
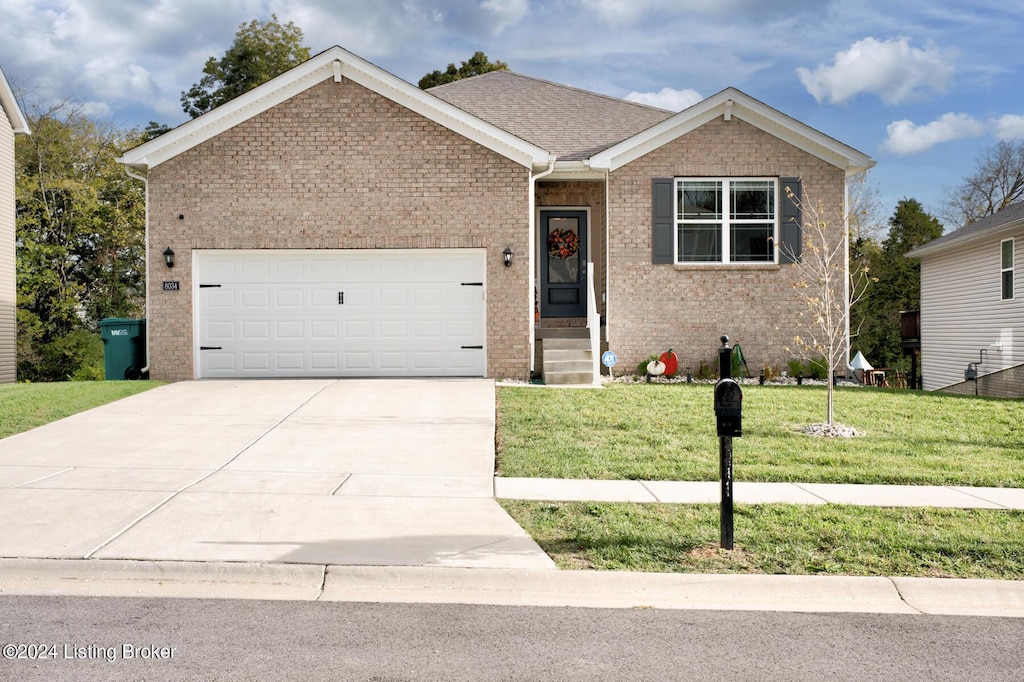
x=609 y=359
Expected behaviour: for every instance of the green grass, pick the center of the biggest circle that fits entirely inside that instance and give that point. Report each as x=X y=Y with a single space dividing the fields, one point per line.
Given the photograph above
x=667 y=432
x=779 y=539
x=26 y=406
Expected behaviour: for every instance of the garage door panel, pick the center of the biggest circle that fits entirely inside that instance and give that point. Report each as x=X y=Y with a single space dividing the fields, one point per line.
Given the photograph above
x=289 y=329
x=403 y=313
x=255 y=298
x=289 y=298
x=258 y=330
x=217 y=298
x=255 y=269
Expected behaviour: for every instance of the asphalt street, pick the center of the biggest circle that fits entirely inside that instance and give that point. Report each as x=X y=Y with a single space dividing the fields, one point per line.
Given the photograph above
x=87 y=638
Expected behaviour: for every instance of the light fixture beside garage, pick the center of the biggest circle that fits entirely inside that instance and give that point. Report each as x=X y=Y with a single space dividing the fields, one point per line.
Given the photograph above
x=508 y=256
x=169 y=257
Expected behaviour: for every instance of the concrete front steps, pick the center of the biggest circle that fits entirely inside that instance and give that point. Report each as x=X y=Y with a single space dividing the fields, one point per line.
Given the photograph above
x=566 y=356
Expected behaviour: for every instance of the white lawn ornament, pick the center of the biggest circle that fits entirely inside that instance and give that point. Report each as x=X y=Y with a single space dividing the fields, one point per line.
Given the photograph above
x=655 y=368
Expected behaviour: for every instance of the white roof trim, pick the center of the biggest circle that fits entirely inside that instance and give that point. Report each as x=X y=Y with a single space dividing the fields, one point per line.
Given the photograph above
x=731 y=103
x=329 y=64
x=10 y=107
x=998 y=232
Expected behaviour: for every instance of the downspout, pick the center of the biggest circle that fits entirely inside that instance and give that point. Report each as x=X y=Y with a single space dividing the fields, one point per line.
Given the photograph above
x=145 y=181
x=532 y=241
x=846 y=264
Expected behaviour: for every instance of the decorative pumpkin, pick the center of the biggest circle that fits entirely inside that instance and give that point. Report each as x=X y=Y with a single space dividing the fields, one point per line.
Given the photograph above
x=655 y=368
x=671 y=362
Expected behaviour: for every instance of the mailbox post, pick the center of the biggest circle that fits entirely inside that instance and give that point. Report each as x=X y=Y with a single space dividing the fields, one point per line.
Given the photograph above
x=729 y=417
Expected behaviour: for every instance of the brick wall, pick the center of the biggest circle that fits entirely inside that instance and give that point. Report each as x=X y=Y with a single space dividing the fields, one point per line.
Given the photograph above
x=338 y=166
x=687 y=308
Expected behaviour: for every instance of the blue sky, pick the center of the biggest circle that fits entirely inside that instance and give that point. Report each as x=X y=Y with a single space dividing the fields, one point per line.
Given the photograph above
x=923 y=86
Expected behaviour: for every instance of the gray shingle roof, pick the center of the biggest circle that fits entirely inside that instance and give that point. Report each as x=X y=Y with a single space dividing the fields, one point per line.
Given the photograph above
x=571 y=123
x=1011 y=214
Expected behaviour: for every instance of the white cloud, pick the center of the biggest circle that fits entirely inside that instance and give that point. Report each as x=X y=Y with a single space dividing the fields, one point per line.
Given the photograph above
x=619 y=12
x=504 y=13
x=667 y=98
x=1008 y=127
x=892 y=69
x=906 y=137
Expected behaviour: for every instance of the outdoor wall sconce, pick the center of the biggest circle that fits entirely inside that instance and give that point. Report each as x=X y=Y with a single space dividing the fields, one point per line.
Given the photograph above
x=507 y=253
x=169 y=257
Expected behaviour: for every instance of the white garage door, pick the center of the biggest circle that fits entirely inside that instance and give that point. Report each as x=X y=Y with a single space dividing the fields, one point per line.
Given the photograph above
x=417 y=312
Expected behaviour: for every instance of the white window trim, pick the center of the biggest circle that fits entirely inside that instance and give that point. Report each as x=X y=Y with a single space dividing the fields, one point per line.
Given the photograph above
x=726 y=244
x=1011 y=269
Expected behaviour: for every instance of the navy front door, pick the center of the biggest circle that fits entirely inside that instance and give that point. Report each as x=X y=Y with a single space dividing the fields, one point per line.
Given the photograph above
x=563 y=264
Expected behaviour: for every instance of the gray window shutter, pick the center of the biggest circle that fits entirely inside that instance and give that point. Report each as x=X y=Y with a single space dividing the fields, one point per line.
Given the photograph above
x=664 y=221
x=791 y=230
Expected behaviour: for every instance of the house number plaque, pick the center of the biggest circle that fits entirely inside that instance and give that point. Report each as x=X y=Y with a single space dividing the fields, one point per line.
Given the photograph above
x=171 y=286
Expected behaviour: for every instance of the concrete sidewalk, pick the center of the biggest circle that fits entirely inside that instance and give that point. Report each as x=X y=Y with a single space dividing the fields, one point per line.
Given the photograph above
x=682 y=492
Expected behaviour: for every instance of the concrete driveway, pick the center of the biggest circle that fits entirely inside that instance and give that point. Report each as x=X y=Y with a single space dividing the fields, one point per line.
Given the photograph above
x=344 y=472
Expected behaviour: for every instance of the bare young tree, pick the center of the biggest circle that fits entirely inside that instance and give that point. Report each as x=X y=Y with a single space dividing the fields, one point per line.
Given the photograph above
x=864 y=209
x=997 y=182
x=824 y=289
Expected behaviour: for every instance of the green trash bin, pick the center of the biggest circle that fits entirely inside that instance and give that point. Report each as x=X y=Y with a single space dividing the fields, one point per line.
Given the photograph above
x=124 y=348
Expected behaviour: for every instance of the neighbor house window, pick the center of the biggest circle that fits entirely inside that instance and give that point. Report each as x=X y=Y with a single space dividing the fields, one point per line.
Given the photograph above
x=726 y=220
x=1007 y=269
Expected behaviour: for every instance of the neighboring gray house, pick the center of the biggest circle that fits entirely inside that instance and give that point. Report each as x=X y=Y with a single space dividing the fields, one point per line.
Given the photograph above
x=11 y=123
x=339 y=221
x=972 y=307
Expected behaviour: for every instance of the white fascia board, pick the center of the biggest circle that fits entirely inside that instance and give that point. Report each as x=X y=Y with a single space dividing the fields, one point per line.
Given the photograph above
x=316 y=70
x=10 y=107
x=739 y=105
x=992 y=233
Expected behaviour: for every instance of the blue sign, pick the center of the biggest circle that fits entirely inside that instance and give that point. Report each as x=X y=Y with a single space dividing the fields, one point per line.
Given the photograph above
x=609 y=358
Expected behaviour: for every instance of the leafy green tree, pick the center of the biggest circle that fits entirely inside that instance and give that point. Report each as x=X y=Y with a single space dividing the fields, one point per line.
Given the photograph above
x=898 y=283
x=80 y=240
x=261 y=51
x=474 y=66
x=154 y=130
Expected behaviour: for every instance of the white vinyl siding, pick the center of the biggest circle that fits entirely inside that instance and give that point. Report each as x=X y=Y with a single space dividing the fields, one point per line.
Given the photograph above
x=8 y=296
x=962 y=313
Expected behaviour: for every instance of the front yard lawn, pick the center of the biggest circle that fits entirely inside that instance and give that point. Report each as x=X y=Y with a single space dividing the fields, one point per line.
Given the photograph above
x=667 y=432
x=26 y=406
x=779 y=539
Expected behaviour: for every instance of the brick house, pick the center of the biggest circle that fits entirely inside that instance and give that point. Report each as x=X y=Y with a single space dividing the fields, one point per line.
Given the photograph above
x=12 y=123
x=338 y=221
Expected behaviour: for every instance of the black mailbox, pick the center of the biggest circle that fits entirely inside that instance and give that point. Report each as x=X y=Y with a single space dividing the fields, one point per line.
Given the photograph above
x=729 y=408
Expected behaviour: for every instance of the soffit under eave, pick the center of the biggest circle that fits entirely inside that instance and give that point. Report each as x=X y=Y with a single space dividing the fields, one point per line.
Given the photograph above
x=11 y=108
x=313 y=72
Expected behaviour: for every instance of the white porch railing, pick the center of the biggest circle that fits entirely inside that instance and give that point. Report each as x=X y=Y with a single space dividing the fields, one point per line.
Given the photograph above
x=594 y=325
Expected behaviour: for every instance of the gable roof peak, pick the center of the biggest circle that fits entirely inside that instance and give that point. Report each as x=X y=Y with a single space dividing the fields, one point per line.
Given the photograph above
x=728 y=103
x=339 y=64
x=9 y=104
